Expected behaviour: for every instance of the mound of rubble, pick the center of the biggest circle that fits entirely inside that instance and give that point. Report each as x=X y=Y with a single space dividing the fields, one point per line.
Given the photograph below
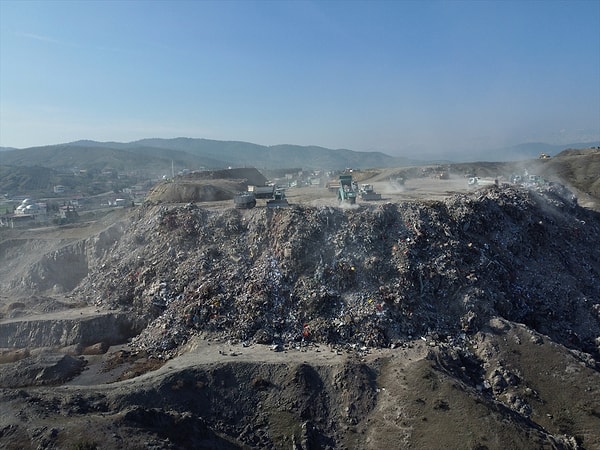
x=368 y=277
x=205 y=186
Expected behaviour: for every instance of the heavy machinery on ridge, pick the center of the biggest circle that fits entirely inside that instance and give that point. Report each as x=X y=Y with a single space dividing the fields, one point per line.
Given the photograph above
x=346 y=193
x=367 y=192
x=267 y=191
x=244 y=200
x=275 y=197
x=278 y=200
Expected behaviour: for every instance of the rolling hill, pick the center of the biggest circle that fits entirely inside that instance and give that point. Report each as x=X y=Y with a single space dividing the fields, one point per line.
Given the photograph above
x=157 y=154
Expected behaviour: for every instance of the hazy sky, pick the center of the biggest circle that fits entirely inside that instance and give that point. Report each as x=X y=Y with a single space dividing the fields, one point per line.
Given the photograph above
x=402 y=77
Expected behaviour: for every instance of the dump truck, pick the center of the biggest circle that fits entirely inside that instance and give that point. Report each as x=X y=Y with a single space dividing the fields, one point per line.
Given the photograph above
x=244 y=200
x=262 y=191
x=346 y=193
x=247 y=199
x=367 y=193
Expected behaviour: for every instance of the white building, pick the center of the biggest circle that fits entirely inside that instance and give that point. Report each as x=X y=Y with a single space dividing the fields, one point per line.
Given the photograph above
x=28 y=213
x=28 y=206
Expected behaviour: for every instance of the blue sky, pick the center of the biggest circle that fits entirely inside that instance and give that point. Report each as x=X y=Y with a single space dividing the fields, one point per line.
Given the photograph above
x=403 y=77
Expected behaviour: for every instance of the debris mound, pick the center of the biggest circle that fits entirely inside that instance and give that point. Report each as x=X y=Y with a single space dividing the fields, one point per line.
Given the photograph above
x=205 y=186
x=368 y=277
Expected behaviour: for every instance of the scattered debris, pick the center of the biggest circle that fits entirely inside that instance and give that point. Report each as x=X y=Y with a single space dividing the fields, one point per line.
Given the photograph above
x=369 y=277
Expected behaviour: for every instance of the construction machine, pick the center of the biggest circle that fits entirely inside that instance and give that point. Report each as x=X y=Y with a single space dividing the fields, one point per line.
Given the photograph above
x=244 y=200
x=346 y=193
x=247 y=200
x=267 y=191
x=278 y=200
x=367 y=192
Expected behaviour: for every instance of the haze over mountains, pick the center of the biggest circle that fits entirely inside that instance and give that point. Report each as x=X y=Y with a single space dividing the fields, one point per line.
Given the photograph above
x=211 y=154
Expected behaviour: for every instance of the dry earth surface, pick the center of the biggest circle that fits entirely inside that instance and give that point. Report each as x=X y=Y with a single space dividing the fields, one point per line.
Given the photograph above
x=439 y=317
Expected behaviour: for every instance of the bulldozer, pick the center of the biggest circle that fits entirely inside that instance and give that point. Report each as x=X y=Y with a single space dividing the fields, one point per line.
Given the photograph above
x=367 y=193
x=278 y=200
x=346 y=193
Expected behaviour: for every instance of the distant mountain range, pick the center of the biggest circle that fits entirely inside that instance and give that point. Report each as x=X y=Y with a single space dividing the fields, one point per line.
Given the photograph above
x=529 y=150
x=187 y=153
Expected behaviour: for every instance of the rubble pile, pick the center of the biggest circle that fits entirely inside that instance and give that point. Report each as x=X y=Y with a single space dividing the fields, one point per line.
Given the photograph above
x=205 y=186
x=367 y=277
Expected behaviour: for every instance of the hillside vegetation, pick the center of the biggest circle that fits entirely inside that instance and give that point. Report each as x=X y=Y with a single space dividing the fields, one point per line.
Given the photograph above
x=157 y=155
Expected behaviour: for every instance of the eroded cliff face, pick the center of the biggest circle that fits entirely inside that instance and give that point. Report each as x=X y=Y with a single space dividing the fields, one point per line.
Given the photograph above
x=60 y=330
x=58 y=271
x=36 y=265
x=100 y=245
